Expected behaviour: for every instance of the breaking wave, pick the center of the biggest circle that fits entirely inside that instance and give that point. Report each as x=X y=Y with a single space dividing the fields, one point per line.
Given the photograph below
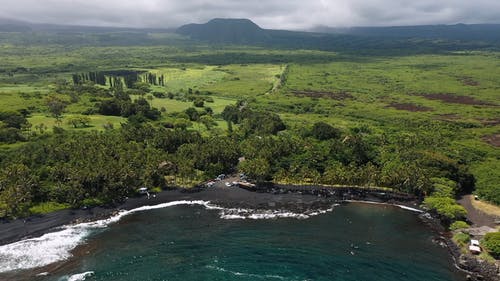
x=78 y=277
x=235 y=213
x=380 y=203
x=253 y=276
x=410 y=209
x=56 y=246
x=43 y=250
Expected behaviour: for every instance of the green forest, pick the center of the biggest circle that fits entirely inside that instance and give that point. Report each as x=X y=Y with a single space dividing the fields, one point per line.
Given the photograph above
x=88 y=119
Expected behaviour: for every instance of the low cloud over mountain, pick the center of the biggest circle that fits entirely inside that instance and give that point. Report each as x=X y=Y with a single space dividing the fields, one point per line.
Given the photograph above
x=276 y=14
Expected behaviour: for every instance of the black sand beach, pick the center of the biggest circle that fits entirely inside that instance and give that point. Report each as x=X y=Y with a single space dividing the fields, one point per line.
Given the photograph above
x=289 y=197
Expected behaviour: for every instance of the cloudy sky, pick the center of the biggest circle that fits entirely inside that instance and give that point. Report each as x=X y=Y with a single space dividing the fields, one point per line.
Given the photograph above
x=284 y=14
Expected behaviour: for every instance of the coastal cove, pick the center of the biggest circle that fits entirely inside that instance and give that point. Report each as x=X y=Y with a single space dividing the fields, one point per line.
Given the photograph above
x=234 y=205
x=277 y=196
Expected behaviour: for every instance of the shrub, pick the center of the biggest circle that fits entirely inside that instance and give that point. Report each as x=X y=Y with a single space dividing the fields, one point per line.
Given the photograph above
x=458 y=225
x=89 y=202
x=446 y=207
x=79 y=121
x=441 y=190
x=47 y=207
x=13 y=120
x=192 y=113
x=443 y=187
x=461 y=239
x=491 y=243
x=10 y=135
x=108 y=126
x=155 y=189
x=324 y=131
x=159 y=95
x=198 y=103
x=58 y=130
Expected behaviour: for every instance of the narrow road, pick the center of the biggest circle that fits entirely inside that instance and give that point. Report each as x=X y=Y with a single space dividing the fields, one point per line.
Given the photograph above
x=477 y=217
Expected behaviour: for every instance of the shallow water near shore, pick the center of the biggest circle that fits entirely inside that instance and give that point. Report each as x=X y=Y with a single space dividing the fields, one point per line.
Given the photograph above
x=202 y=242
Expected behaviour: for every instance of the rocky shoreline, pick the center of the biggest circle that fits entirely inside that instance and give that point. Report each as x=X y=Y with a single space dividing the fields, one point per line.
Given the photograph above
x=264 y=196
x=474 y=268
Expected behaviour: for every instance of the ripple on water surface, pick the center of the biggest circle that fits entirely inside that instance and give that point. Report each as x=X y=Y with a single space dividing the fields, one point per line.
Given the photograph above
x=207 y=242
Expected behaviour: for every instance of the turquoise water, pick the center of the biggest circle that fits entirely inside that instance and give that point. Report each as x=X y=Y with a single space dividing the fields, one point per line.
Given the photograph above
x=353 y=242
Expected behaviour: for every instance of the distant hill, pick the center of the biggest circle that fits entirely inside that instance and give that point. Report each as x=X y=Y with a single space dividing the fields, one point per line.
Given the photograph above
x=399 y=39
x=244 y=31
x=10 y=25
x=24 y=33
x=234 y=31
x=462 y=32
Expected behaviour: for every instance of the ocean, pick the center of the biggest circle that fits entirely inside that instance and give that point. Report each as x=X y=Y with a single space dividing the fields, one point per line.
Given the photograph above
x=195 y=240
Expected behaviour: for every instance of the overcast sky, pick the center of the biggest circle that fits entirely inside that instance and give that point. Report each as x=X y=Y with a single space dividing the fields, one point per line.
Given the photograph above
x=282 y=14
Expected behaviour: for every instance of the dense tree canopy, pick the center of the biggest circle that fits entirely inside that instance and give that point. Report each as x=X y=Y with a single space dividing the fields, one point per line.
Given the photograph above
x=79 y=168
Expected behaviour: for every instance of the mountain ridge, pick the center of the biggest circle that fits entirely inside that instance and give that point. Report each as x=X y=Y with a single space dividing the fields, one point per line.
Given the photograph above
x=459 y=31
x=239 y=31
x=398 y=40
x=14 y=25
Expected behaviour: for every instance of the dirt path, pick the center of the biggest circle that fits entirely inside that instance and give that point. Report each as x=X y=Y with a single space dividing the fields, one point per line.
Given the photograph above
x=477 y=217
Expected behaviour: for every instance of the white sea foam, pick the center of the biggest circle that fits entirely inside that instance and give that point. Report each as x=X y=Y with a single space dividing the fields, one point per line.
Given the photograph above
x=56 y=246
x=256 y=214
x=253 y=276
x=41 y=251
x=79 y=276
x=379 y=203
x=410 y=209
x=233 y=217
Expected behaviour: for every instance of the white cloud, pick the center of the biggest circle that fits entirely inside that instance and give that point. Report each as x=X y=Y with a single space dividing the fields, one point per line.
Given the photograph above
x=291 y=14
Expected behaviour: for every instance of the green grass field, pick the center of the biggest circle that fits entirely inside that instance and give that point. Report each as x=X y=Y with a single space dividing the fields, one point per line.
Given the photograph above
x=97 y=122
x=245 y=80
x=453 y=99
x=172 y=105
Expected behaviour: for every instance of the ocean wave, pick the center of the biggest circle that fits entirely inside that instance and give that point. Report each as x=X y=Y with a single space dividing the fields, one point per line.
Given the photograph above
x=381 y=203
x=41 y=251
x=410 y=208
x=78 y=276
x=256 y=214
x=57 y=246
x=251 y=275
